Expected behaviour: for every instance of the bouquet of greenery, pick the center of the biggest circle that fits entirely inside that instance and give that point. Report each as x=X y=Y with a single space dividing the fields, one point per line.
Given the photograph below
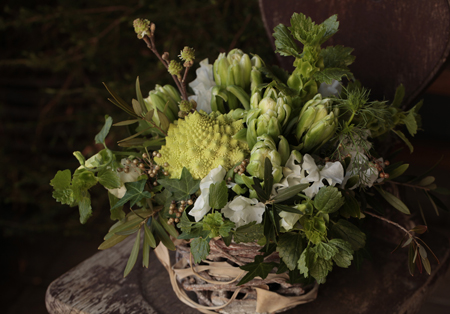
x=251 y=153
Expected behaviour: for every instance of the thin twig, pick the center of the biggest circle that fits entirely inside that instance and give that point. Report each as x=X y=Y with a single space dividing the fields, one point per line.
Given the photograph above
x=395 y=224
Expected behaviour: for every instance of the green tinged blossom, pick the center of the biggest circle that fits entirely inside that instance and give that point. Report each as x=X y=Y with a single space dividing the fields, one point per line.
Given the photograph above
x=265 y=147
x=175 y=68
x=201 y=143
x=141 y=27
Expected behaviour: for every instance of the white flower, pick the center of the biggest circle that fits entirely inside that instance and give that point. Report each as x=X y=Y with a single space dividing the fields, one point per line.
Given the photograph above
x=201 y=205
x=244 y=210
x=288 y=220
x=332 y=172
x=334 y=89
x=292 y=173
x=202 y=86
x=131 y=176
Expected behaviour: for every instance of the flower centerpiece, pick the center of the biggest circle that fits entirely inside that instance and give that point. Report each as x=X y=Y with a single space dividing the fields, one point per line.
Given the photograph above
x=255 y=175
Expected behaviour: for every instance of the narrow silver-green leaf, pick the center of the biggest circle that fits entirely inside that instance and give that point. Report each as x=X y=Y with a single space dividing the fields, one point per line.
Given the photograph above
x=111 y=241
x=289 y=192
x=398 y=171
x=394 y=201
x=133 y=255
x=126 y=122
x=149 y=236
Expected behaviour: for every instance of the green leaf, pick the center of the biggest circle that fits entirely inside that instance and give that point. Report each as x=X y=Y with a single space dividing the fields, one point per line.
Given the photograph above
x=199 y=249
x=398 y=171
x=162 y=235
x=164 y=198
x=113 y=240
x=315 y=228
x=331 y=27
x=129 y=222
x=109 y=179
x=149 y=238
x=426 y=181
x=307 y=32
x=411 y=123
x=100 y=137
x=169 y=228
x=145 y=253
x=394 y=201
x=218 y=195
x=403 y=137
x=119 y=102
x=83 y=180
x=307 y=259
x=256 y=269
x=441 y=190
x=268 y=176
x=438 y=202
x=262 y=195
x=290 y=247
x=84 y=206
x=135 y=193
x=183 y=188
x=325 y=250
x=399 y=95
x=117 y=213
x=79 y=157
x=64 y=196
x=337 y=56
x=287 y=208
x=289 y=192
x=133 y=255
x=249 y=233
x=62 y=180
x=329 y=74
x=344 y=256
x=320 y=269
x=352 y=181
x=351 y=206
x=139 y=95
x=185 y=224
x=349 y=232
x=216 y=225
x=284 y=42
x=328 y=199
x=126 y=122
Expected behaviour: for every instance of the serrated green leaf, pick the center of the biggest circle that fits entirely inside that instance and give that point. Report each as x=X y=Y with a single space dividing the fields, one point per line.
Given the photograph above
x=351 y=207
x=284 y=42
x=162 y=235
x=315 y=228
x=256 y=269
x=337 y=56
x=399 y=95
x=320 y=269
x=307 y=259
x=199 y=249
x=306 y=31
x=328 y=199
x=344 y=256
x=249 y=233
x=135 y=193
x=325 y=250
x=116 y=213
x=349 y=232
x=182 y=188
x=83 y=180
x=218 y=195
x=329 y=74
x=394 y=201
x=109 y=179
x=133 y=255
x=331 y=27
x=185 y=224
x=64 y=196
x=290 y=247
x=62 y=180
x=101 y=136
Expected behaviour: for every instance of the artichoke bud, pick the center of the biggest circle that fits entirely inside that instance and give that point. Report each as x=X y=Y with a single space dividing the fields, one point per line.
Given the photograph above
x=268 y=125
x=283 y=149
x=246 y=65
x=251 y=133
x=255 y=79
x=221 y=69
x=306 y=120
x=265 y=147
x=287 y=109
x=267 y=104
x=270 y=93
x=257 y=62
x=254 y=100
x=252 y=114
x=320 y=132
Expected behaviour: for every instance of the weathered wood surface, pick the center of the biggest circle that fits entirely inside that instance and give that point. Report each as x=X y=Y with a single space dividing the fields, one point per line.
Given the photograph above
x=396 y=42
x=381 y=286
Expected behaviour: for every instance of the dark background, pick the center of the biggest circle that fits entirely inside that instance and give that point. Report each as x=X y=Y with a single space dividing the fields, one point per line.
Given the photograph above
x=54 y=57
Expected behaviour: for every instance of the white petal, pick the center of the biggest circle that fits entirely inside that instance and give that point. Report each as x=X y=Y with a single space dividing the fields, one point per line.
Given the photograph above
x=310 y=166
x=201 y=206
x=313 y=189
x=333 y=172
x=288 y=220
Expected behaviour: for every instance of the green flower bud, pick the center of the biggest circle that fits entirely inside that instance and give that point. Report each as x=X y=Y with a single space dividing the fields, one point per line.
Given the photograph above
x=265 y=147
x=252 y=114
x=251 y=134
x=141 y=27
x=320 y=133
x=254 y=100
x=187 y=54
x=221 y=70
x=185 y=105
x=175 y=68
x=267 y=104
x=255 y=79
x=270 y=93
x=257 y=62
x=306 y=120
x=283 y=150
x=267 y=125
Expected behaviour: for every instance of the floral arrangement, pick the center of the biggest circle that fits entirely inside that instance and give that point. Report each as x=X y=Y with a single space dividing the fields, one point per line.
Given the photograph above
x=251 y=153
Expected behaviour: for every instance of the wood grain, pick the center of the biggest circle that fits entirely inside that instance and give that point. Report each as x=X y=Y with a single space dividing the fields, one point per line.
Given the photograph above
x=383 y=285
x=396 y=42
